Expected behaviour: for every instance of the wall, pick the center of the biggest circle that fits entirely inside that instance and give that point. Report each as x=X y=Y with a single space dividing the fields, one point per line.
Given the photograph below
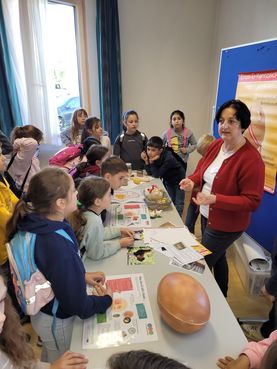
x=166 y=53
x=241 y=22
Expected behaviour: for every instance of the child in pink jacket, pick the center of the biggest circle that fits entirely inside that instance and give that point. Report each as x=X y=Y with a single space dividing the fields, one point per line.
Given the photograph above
x=25 y=142
x=252 y=356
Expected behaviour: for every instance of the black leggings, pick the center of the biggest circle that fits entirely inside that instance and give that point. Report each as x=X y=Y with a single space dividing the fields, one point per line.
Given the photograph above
x=218 y=242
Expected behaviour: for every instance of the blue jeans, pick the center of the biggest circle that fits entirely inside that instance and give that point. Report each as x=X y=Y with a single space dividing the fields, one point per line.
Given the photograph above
x=177 y=196
x=192 y=215
x=218 y=242
x=42 y=324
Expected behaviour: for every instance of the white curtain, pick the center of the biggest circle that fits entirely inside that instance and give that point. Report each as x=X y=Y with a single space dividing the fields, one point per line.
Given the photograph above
x=25 y=21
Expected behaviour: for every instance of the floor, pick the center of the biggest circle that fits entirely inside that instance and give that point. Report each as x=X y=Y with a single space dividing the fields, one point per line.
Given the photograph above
x=243 y=305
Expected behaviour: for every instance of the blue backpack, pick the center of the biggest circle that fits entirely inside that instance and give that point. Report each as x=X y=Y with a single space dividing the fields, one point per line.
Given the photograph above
x=32 y=289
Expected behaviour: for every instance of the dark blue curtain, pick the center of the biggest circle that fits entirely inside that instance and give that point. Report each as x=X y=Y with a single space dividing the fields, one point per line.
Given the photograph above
x=109 y=69
x=9 y=106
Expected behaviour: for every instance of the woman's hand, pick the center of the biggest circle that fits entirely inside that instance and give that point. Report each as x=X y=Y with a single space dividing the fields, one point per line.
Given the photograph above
x=70 y=360
x=204 y=199
x=269 y=297
x=100 y=290
x=126 y=241
x=242 y=362
x=126 y=232
x=95 y=278
x=186 y=184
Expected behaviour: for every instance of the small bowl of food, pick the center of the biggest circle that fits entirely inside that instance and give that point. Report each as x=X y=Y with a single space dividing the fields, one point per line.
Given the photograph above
x=156 y=199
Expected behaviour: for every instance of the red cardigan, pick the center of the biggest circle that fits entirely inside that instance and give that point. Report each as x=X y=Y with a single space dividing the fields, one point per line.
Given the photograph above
x=238 y=187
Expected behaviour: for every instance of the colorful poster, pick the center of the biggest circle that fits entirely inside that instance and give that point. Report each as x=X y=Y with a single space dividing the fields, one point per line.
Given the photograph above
x=129 y=319
x=135 y=215
x=258 y=90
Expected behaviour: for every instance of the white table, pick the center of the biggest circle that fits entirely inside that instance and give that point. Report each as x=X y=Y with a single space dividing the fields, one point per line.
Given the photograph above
x=200 y=350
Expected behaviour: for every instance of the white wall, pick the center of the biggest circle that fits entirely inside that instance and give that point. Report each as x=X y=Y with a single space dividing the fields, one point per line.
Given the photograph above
x=242 y=22
x=170 y=52
x=166 y=53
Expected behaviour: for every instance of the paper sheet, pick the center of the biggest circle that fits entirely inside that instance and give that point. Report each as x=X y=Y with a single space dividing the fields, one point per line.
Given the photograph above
x=129 y=320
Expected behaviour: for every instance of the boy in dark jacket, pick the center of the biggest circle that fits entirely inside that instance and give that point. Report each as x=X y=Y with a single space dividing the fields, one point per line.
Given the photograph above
x=161 y=162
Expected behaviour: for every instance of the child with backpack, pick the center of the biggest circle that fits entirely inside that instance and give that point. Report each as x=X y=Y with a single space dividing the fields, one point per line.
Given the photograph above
x=162 y=162
x=39 y=218
x=97 y=242
x=72 y=135
x=131 y=142
x=179 y=137
x=95 y=157
x=16 y=352
x=93 y=133
x=8 y=200
x=24 y=162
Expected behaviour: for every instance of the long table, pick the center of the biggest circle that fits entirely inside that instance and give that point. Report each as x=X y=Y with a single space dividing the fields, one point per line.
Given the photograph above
x=221 y=336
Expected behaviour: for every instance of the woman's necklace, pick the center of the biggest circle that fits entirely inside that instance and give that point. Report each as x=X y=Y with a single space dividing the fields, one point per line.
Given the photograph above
x=234 y=149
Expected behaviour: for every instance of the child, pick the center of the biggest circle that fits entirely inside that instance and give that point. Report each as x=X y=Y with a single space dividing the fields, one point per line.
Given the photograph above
x=142 y=359
x=131 y=143
x=50 y=198
x=72 y=135
x=160 y=162
x=115 y=171
x=8 y=201
x=97 y=242
x=178 y=136
x=256 y=355
x=93 y=130
x=25 y=162
x=95 y=157
x=15 y=352
x=193 y=210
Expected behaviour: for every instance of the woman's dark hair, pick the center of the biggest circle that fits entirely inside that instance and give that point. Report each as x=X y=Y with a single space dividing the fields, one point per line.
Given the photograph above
x=74 y=122
x=178 y=112
x=45 y=187
x=242 y=114
x=90 y=189
x=27 y=131
x=125 y=116
x=142 y=359
x=91 y=123
x=155 y=141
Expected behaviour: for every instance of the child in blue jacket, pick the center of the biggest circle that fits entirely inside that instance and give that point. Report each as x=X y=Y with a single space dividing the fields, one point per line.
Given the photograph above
x=50 y=198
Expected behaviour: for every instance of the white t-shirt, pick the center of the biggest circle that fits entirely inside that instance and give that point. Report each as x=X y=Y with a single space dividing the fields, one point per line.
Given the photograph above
x=209 y=176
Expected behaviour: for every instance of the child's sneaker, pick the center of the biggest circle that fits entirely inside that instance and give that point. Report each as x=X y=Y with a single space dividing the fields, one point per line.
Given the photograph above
x=252 y=331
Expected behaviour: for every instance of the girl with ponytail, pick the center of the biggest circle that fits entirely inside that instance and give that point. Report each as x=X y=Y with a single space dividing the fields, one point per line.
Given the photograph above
x=51 y=197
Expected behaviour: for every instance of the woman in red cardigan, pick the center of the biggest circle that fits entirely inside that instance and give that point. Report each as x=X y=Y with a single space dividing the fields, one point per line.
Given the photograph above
x=231 y=179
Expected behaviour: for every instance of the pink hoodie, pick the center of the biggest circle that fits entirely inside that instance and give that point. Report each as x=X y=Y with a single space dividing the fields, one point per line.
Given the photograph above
x=25 y=148
x=256 y=350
